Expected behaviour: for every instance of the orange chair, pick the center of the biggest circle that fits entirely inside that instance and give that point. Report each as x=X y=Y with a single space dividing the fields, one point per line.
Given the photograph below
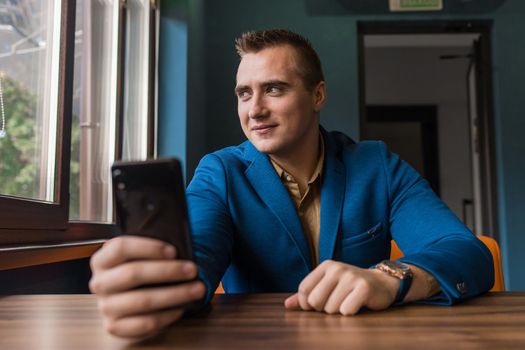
x=499 y=283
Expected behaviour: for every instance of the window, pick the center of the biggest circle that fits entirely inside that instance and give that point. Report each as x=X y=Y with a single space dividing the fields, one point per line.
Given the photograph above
x=95 y=99
x=29 y=57
x=138 y=140
x=76 y=93
x=95 y=109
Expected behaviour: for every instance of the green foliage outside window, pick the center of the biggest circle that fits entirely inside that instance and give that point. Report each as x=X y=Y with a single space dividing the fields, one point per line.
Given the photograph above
x=18 y=166
x=19 y=149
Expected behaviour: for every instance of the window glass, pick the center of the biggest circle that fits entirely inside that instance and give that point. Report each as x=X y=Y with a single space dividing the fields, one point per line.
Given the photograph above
x=136 y=81
x=29 y=72
x=94 y=110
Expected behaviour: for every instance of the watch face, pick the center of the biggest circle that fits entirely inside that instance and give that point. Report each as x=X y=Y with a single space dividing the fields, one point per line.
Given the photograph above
x=396 y=265
x=395 y=268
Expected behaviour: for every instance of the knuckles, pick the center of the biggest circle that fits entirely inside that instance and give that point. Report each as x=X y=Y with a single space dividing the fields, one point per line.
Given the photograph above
x=345 y=312
x=335 y=270
x=93 y=262
x=327 y=263
x=111 y=327
x=302 y=290
x=150 y=324
x=94 y=286
x=365 y=287
x=338 y=273
x=330 y=309
x=103 y=306
x=117 y=246
x=144 y=302
x=315 y=301
x=131 y=273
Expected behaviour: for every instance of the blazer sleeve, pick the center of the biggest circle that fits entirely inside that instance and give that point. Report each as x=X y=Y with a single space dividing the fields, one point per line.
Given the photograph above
x=210 y=221
x=432 y=237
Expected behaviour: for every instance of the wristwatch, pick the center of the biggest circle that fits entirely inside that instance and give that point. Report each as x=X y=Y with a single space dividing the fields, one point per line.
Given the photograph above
x=402 y=272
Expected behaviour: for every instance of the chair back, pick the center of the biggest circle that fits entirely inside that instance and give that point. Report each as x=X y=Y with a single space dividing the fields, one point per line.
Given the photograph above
x=499 y=283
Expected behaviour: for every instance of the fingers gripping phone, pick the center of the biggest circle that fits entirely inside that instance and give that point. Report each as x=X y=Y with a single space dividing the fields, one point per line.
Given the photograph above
x=150 y=201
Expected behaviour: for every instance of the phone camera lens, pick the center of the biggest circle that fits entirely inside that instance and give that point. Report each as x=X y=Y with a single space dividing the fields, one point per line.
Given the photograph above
x=121 y=186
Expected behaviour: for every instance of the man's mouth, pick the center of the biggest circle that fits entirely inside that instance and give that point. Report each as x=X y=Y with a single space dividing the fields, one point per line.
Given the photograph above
x=263 y=129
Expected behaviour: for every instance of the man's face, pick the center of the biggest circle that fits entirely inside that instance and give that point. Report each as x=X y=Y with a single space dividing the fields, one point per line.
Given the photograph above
x=277 y=113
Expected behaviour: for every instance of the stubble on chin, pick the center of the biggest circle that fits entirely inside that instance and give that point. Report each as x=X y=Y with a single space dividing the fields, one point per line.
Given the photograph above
x=266 y=146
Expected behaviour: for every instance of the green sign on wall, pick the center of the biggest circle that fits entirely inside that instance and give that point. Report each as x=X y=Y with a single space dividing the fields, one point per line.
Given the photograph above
x=416 y=5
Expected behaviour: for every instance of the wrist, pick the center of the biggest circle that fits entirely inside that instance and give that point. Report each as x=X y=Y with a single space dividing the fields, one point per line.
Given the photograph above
x=399 y=271
x=390 y=283
x=424 y=284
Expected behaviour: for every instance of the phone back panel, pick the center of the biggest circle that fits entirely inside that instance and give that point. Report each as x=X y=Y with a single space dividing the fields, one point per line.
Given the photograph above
x=150 y=201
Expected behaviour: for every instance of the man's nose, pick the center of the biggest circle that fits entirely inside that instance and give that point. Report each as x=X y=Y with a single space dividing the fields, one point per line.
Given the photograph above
x=257 y=109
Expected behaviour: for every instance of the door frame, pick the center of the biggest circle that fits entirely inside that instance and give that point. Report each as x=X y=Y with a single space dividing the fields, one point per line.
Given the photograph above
x=481 y=27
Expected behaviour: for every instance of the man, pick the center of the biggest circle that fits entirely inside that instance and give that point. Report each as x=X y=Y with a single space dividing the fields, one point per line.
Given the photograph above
x=295 y=209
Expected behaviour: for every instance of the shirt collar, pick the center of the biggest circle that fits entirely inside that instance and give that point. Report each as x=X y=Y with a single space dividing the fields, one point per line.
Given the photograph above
x=320 y=162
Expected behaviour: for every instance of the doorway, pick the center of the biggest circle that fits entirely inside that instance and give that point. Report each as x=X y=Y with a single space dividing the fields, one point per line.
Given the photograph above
x=409 y=68
x=410 y=131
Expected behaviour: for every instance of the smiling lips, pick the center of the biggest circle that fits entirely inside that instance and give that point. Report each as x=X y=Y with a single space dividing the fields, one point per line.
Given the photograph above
x=263 y=129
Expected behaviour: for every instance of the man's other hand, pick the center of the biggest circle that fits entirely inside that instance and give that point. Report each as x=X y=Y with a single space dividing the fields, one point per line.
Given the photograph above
x=335 y=287
x=127 y=262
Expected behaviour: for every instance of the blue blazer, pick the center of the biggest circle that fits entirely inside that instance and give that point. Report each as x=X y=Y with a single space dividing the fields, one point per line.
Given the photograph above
x=246 y=230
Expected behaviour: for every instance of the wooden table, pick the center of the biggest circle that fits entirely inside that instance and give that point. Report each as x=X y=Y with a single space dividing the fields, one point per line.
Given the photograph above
x=493 y=321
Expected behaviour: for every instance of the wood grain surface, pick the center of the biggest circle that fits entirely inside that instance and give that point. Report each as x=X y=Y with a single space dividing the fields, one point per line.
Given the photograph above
x=259 y=321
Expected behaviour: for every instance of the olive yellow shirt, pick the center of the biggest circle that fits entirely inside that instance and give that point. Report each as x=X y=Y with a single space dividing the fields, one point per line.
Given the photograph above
x=307 y=201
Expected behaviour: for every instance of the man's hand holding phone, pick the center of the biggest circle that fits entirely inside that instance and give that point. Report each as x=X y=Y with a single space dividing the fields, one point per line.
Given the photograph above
x=127 y=262
x=146 y=278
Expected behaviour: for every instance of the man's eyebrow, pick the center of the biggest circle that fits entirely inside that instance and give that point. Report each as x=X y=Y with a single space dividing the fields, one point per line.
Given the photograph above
x=265 y=84
x=280 y=83
x=240 y=88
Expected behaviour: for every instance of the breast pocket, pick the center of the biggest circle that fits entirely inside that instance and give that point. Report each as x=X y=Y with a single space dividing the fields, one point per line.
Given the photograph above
x=369 y=234
x=366 y=248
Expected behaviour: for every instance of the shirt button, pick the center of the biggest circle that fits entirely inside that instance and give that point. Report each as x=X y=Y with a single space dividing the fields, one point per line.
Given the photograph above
x=288 y=178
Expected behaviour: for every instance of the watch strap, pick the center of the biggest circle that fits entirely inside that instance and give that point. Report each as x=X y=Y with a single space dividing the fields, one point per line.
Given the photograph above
x=400 y=271
x=404 y=287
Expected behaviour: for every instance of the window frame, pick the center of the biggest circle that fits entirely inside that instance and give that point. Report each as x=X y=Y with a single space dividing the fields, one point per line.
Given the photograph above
x=27 y=223
x=19 y=213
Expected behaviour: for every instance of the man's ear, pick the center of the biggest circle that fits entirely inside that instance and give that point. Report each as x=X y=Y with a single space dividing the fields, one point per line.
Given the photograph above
x=319 y=96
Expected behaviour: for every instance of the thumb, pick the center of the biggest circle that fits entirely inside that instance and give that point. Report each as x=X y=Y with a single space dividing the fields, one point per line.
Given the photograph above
x=292 y=302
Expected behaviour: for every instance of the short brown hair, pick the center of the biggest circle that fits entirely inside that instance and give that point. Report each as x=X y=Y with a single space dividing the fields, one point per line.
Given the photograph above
x=309 y=65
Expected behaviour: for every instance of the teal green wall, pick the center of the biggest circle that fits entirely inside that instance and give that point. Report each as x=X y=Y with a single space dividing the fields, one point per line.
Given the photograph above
x=172 y=81
x=331 y=27
x=509 y=97
x=181 y=82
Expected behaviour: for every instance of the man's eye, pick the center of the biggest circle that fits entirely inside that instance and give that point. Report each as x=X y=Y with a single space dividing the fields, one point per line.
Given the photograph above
x=274 y=90
x=243 y=94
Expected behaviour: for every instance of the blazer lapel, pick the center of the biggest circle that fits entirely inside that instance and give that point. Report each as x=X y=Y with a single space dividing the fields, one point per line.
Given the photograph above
x=332 y=199
x=264 y=179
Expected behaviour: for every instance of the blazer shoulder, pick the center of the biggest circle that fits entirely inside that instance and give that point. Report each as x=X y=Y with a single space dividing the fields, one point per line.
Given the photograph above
x=347 y=146
x=232 y=157
x=343 y=142
x=372 y=147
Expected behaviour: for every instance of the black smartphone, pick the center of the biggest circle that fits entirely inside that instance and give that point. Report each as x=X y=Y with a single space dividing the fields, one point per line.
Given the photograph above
x=150 y=201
